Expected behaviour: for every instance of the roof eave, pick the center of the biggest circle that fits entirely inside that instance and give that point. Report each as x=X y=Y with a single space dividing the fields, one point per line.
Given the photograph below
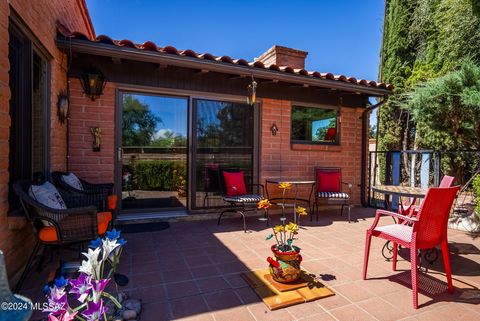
x=108 y=50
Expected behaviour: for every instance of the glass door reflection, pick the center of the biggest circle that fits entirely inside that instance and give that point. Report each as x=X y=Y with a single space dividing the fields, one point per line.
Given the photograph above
x=223 y=138
x=154 y=152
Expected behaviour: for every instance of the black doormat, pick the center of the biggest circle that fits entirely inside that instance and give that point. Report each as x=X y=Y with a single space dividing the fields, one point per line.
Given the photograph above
x=143 y=227
x=144 y=203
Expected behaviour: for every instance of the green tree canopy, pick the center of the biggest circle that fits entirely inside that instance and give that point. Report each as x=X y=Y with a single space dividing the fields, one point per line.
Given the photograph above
x=446 y=110
x=139 y=123
x=422 y=40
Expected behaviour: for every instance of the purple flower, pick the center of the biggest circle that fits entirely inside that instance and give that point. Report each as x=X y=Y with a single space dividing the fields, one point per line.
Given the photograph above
x=98 y=287
x=57 y=301
x=94 y=311
x=113 y=234
x=95 y=243
x=61 y=282
x=81 y=286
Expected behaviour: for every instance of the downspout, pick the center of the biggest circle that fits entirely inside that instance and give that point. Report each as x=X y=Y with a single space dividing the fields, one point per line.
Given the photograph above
x=365 y=131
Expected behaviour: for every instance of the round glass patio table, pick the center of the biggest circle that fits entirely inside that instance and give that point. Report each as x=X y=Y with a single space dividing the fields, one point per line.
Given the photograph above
x=289 y=201
x=403 y=191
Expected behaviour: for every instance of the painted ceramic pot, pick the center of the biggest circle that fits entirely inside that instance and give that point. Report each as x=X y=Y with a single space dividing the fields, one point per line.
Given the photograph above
x=285 y=268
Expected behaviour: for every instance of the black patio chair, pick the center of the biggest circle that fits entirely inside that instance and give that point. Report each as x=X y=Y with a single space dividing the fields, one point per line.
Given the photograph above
x=57 y=228
x=96 y=193
x=328 y=189
x=235 y=193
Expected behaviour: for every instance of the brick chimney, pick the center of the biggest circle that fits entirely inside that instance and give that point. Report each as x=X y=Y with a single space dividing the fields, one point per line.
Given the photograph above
x=284 y=56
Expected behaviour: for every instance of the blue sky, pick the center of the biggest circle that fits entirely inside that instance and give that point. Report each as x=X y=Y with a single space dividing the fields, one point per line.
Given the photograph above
x=341 y=36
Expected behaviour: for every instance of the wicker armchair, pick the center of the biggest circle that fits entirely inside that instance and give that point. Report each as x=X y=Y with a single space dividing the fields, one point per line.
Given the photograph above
x=97 y=194
x=59 y=227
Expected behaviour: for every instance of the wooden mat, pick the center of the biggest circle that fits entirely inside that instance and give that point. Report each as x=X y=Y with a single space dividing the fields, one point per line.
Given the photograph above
x=277 y=295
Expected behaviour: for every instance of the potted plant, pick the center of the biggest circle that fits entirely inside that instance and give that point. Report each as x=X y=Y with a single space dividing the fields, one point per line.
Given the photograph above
x=285 y=267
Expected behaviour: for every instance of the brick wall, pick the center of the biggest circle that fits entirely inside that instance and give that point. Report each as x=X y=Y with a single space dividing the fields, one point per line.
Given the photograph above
x=16 y=238
x=84 y=114
x=279 y=157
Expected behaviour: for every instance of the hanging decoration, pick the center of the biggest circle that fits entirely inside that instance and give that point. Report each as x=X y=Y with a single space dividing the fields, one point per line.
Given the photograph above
x=252 y=92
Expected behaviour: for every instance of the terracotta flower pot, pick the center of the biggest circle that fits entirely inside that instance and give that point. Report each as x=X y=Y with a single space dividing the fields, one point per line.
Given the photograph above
x=285 y=268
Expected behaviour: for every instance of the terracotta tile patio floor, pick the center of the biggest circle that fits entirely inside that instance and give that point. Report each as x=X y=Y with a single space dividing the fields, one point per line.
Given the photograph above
x=191 y=271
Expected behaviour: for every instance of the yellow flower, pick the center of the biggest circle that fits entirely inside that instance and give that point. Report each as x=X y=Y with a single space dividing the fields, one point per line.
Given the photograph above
x=291 y=227
x=301 y=210
x=279 y=228
x=284 y=185
x=265 y=203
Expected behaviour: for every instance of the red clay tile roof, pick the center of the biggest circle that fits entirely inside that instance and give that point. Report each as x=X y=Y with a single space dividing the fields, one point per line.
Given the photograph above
x=151 y=46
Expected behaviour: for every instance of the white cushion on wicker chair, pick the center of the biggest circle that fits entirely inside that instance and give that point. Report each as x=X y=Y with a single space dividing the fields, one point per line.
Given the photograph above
x=48 y=195
x=72 y=180
x=249 y=198
x=400 y=231
x=333 y=195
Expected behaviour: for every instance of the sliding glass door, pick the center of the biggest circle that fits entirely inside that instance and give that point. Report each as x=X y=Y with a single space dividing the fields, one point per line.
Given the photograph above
x=223 y=137
x=153 y=152
x=163 y=162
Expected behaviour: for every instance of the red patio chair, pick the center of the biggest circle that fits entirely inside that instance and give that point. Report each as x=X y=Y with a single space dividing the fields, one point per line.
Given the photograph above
x=427 y=230
x=328 y=189
x=236 y=194
x=409 y=208
x=331 y=134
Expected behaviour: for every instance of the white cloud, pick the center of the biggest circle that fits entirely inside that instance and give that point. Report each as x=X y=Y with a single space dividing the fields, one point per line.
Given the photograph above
x=161 y=133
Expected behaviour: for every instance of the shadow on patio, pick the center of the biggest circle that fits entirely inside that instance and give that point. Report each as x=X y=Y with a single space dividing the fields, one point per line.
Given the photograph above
x=192 y=271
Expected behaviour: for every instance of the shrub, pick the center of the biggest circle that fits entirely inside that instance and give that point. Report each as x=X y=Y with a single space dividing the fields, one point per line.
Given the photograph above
x=476 y=193
x=158 y=174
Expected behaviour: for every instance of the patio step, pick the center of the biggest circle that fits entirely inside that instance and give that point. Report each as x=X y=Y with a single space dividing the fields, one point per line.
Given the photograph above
x=135 y=218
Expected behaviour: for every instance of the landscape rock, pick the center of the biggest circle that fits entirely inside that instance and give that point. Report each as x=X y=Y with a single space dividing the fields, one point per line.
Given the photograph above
x=122 y=296
x=469 y=223
x=133 y=304
x=129 y=315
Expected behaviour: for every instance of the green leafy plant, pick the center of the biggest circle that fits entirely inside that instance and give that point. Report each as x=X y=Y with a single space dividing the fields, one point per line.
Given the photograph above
x=159 y=174
x=476 y=193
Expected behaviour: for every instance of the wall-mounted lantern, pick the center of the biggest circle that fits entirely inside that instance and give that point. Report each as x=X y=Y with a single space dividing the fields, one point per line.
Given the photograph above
x=62 y=107
x=274 y=129
x=93 y=83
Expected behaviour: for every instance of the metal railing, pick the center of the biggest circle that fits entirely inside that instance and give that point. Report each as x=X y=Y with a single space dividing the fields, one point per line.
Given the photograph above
x=420 y=168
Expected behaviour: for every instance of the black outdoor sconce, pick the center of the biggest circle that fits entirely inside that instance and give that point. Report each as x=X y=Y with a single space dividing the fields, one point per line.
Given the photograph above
x=274 y=129
x=93 y=83
x=62 y=107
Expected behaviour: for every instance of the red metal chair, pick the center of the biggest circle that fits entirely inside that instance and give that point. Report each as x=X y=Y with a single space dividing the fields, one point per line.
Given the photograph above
x=427 y=230
x=409 y=208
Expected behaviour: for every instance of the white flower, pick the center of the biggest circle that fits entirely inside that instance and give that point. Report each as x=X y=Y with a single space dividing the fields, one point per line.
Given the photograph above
x=92 y=255
x=86 y=268
x=108 y=247
x=91 y=266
